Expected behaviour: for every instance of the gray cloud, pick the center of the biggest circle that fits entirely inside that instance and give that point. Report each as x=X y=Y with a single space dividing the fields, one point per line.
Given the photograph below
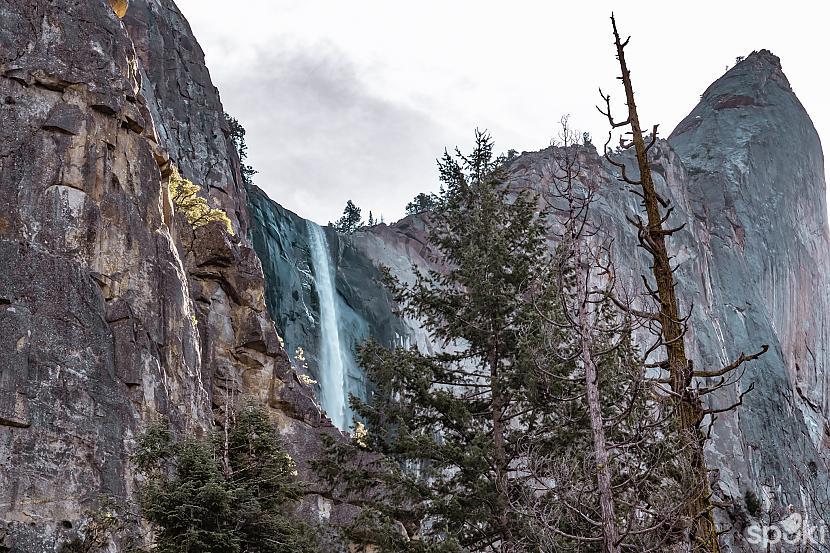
x=314 y=126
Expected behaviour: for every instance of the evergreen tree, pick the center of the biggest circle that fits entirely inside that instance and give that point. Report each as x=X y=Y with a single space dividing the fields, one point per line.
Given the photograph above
x=351 y=220
x=237 y=136
x=186 y=495
x=422 y=203
x=372 y=221
x=222 y=496
x=451 y=426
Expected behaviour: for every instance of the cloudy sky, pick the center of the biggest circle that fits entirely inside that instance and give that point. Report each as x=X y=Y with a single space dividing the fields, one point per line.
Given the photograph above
x=356 y=99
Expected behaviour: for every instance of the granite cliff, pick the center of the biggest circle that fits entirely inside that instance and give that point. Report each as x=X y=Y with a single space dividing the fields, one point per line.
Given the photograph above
x=113 y=310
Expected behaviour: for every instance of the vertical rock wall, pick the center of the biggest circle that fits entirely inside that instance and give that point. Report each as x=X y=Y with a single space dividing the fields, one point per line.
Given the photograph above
x=113 y=311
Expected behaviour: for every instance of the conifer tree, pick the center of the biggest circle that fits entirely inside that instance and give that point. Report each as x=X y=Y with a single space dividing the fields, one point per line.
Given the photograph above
x=222 y=496
x=450 y=426
x=351 y=219
x=422 y=203
x=237 y=136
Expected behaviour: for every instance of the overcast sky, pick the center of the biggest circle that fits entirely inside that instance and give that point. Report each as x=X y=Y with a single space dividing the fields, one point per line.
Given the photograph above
x=356 y=99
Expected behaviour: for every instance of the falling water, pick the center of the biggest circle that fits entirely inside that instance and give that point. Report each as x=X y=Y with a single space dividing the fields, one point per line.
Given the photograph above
x=333 y=385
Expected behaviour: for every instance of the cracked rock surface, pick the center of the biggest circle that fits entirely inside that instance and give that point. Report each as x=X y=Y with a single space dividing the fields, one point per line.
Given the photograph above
x=113 y=311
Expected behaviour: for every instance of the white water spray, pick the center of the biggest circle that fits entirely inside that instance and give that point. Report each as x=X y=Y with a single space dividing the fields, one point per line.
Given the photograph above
x=333 y=384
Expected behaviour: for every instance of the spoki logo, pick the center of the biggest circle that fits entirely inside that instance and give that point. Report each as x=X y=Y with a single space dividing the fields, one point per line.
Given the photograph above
x=793 y=530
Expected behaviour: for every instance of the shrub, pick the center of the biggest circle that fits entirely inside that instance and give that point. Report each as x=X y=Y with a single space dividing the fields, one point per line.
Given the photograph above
x=753 y=504
x=222 y=496
x=185 y=196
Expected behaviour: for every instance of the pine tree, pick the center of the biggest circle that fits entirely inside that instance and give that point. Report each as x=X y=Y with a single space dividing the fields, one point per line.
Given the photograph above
x=351 y=219
x=371 y=221
x=237 y=136
x=217 y=496
x=423 y=203
x=450 y=427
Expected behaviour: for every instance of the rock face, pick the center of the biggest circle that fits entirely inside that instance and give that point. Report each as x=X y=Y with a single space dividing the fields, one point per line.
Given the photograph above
x=745 y=173
x=754 y=184
x=365 y=307
x=113 y=311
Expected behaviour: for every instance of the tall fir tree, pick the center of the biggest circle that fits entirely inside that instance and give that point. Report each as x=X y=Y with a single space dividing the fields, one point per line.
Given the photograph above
x=450 y=427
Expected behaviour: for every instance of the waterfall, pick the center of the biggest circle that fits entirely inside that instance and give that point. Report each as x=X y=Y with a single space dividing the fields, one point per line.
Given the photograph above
x=333 y=385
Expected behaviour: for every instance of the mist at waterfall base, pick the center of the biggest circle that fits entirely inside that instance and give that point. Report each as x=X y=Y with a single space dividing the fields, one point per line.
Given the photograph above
x=334 y=358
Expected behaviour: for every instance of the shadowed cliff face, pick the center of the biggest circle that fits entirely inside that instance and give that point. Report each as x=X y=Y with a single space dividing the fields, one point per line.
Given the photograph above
x=364 y=306
x=745 y=173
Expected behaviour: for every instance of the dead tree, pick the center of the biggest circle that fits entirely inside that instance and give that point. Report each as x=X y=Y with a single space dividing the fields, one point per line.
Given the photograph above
x=576 y=253
x=652 y=234
x=614 y=484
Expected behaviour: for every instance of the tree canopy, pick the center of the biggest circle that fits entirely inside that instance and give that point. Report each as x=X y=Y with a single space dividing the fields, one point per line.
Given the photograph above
x=222 y=494
x=423 y=203
x=351 y=220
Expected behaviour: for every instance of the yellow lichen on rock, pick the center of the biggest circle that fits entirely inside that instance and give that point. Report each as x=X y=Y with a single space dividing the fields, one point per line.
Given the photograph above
x=195 y=208
x=120 y=7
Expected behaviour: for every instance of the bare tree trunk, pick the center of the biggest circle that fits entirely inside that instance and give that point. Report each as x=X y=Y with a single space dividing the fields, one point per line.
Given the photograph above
x=688 y=407
x=500 y=454
x=606 y=496
x=576 y=234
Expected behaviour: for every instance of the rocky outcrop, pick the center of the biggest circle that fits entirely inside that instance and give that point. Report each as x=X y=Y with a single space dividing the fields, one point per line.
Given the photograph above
x=113 y=310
